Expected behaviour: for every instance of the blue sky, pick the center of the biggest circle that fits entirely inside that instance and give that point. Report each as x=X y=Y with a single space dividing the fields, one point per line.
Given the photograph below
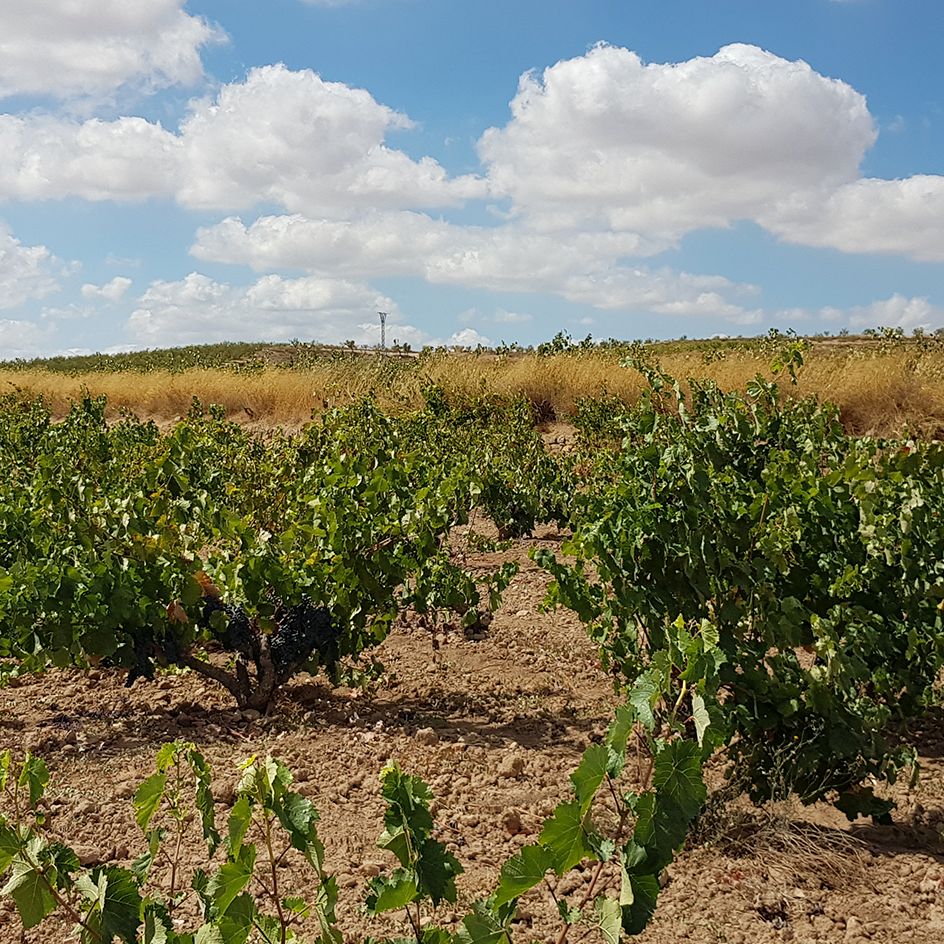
x=178 y=172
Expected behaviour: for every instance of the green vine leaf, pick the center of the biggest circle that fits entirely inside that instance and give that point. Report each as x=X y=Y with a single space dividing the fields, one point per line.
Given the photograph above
x=33 y=898
x=586 y=779
x=564 y=835
x=610 y=916
x=522 y=872
x=147 y=799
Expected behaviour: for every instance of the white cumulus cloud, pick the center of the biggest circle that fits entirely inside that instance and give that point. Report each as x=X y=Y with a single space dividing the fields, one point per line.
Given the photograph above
x=281 y=136
x=307 y=144
x=584 y=267
x=67 y=49
x=467 y=337
x=112 y=291
x=25 y=271
x=902 y=217
x=43 y=157
x=897 y=311
x=662 y=149
x=23 y=339
x=198 y=309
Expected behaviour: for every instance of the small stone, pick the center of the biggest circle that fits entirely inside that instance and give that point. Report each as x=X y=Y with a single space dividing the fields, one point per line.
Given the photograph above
x=87 y=855
x=371 y=869
x=122 y=852
x=34 y=741
x=511 y=767
x=427 y=737
x=250 y=714
x=511 y=820
x=85 y=807
x=226 y=791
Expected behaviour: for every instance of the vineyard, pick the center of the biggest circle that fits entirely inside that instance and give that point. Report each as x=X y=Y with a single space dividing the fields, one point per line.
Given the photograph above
x=423 y=675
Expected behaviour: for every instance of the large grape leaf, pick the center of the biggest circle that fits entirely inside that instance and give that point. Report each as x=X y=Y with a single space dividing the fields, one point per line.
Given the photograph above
x=586 y=779
x=33 y=898
x=522 y=872
x=564 y=836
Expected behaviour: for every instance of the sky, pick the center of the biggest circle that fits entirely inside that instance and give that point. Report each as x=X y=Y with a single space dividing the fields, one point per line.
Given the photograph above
x=483 y=171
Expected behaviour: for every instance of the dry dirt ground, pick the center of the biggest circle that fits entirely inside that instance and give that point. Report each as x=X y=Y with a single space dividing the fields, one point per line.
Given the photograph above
x=495 y=725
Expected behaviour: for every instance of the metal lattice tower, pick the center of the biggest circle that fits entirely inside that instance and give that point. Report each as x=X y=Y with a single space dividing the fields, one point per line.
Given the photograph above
x=383 y=330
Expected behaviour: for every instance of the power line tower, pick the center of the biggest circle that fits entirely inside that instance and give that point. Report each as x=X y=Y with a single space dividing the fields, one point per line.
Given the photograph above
x=383 y=330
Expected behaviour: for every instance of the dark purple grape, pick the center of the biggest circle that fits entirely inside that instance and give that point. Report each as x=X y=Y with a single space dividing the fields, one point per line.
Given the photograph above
x=143 y=667
x=238 y=630
x=303 y=629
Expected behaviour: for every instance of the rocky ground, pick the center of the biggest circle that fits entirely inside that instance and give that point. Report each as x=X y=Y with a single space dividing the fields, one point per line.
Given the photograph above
x=495 y=725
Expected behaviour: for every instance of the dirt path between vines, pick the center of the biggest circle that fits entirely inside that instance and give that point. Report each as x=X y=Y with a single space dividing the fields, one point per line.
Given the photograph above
x=495 y=726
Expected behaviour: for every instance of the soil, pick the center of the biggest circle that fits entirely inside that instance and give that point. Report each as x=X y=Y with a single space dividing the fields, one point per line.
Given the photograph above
x=495 y=725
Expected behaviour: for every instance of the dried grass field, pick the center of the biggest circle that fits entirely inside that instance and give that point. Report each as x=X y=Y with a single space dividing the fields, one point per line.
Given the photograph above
x=882 y=387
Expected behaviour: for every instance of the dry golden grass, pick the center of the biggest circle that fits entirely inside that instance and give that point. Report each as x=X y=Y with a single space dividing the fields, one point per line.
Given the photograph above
x=879 y=389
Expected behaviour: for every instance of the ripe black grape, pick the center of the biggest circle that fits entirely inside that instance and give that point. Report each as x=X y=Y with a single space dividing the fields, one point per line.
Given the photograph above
x=170 y=645
x=143 y=667
x=303 y=629
x=238 y=629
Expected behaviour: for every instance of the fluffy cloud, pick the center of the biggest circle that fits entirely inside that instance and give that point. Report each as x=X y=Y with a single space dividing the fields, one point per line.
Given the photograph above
x=583 y=267
x=904 y=217
x=407 y=243
x=468 y=337
x=605 y=161
x=602 y=148
x=282 y=136
x=67 y=49
x=42 y=157
x=663 y=149
x=22 y=339
x=113 y=291
x=307 y=144
x=897 y=311
x=198 y=310
x=25 y=272
x=664 y=290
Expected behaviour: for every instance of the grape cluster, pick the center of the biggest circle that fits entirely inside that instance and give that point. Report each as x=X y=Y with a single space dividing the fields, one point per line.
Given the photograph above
x=238 y=631
x=144 y=646
x=303 y=629
x=143 y=666
x=300 y=630
x=170 y=645
x=513 y=519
